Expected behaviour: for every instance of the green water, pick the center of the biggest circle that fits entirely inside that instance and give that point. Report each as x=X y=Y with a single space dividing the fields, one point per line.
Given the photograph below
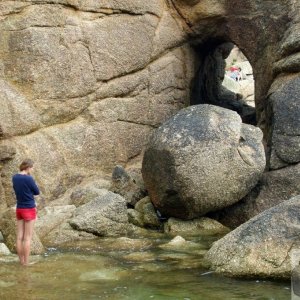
x=128 y=269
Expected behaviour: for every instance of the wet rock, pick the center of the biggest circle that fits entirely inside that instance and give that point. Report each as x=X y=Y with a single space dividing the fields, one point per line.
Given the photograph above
x=8 y=228
x=126 y=243
x=201 y=226
x=273 y=188
x=126 y=186
x=140 y=257
x=109 y=244
x=4 y=250
x=106 y=215
x=260 y=247
x=146 y=210
x=135 y=217
x=51 y=217
x=201 y=160
x=179 y=243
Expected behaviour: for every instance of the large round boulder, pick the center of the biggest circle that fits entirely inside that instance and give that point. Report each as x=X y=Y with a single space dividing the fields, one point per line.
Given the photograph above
x=201 y=160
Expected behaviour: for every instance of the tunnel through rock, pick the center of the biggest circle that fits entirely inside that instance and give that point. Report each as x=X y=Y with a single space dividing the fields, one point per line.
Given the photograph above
x=221 y=81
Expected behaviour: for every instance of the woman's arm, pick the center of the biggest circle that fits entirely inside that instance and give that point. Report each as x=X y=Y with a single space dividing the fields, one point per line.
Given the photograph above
x=34 y=188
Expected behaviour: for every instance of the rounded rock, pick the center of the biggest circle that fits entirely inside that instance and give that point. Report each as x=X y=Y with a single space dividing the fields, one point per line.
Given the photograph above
x=201 y=160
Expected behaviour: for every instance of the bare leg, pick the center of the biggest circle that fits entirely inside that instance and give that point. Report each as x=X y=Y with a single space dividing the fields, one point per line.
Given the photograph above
x=20 y=237
x=28 y=231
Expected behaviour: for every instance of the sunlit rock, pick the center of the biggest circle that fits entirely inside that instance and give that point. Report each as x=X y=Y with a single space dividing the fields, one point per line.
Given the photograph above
x=106 y=215
x=262 y=246
x=201 y=160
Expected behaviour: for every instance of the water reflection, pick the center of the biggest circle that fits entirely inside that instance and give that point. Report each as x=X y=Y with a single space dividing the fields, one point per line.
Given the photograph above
x=144 y=270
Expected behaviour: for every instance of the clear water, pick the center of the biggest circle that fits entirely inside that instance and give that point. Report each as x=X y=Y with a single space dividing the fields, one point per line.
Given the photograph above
x=136 y=269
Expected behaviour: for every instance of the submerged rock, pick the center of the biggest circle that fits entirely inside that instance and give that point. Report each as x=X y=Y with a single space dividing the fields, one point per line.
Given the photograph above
x=179 y=244
x=103 y=274
x=260 y=247
x=140 y=257
x=201 y=160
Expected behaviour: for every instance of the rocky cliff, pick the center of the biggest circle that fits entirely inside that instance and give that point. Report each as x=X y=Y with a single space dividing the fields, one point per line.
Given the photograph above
x=83 y=83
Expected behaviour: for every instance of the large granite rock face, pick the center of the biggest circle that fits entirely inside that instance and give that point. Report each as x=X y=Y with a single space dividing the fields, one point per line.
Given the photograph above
x=83 y=83
x=260 y=247
x=272 y=52
x=201 y=160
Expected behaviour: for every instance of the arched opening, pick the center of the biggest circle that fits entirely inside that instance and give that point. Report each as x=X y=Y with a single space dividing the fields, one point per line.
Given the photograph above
x=239 y=76
x=225 y=78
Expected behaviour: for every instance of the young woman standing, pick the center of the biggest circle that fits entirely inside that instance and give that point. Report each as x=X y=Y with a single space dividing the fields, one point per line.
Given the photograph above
x=25 y=189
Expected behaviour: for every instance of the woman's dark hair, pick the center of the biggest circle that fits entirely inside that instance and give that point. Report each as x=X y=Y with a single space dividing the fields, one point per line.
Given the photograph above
x=27 y=163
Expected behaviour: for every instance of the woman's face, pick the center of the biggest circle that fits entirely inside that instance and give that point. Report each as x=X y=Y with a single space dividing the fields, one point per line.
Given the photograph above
x=29 y=170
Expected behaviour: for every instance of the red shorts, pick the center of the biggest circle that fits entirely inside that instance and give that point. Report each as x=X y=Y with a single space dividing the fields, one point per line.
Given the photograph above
x=26 y=214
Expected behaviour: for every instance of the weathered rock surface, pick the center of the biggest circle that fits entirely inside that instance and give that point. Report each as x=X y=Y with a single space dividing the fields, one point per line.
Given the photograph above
x=72 y=95
x=106 y=215
x=87 y=193
x=284 y=102
x=8 y=226
x=262 y=246
x=178 y=243
x=51 y=217
x=270 y=55
x=273 y=188
x=201 y=226
x=124 y=185
x=144 y=214
x=201 y=160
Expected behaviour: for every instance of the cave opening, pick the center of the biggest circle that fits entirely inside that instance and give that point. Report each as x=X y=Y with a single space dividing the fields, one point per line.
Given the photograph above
x=225 y=78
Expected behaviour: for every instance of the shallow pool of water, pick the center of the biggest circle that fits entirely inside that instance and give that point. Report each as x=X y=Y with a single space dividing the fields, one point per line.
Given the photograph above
x=128 y=269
